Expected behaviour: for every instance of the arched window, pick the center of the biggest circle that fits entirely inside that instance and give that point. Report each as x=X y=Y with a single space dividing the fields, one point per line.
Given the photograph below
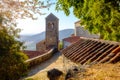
x=51 y=25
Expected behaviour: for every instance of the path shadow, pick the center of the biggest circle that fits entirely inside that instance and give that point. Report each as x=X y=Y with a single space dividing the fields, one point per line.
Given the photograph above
x=44 y=64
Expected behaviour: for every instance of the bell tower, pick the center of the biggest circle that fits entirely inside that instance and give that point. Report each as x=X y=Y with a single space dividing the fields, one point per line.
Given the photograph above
x=52 y=31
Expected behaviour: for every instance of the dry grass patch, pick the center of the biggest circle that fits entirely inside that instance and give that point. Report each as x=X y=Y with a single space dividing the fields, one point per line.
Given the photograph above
x=95 y=72
x=41 y=76
x=103 y=72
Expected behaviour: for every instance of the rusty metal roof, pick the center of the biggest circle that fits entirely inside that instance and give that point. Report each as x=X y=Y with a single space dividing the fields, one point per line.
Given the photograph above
x=92 y=50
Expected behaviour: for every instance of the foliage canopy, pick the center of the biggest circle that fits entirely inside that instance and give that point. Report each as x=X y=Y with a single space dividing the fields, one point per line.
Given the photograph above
x=98 y=16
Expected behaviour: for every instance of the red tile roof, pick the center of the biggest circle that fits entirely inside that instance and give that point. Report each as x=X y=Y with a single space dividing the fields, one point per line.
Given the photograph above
x=72 y=39
x=91 y=50
x=32 y=54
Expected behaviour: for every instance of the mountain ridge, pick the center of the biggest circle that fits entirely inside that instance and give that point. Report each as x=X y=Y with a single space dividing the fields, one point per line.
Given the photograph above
x=31 y=40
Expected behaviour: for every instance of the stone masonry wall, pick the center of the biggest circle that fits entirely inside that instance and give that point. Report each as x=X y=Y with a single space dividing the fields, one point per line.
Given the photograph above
x=80 y=31
x=41 y=46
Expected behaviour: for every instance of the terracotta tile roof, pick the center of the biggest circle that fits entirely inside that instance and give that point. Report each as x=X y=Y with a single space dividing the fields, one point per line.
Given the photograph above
x=72 y=39
x=92 y=50
x=32 y=54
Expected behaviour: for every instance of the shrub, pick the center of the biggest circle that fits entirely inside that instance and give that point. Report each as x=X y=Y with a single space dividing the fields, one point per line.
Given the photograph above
x=12 y=66
x=60 y=45
x=12 y=60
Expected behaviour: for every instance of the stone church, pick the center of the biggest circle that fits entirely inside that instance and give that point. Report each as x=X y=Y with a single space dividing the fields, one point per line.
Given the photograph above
x=52 y=34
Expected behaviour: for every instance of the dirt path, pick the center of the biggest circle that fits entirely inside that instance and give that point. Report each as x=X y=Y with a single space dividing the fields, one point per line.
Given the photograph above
x=46 y=65
x=39 y=72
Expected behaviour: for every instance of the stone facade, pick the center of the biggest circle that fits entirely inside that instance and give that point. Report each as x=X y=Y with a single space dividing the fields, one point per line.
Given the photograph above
x=52 y=32
x=40 y=46
x=80 y=31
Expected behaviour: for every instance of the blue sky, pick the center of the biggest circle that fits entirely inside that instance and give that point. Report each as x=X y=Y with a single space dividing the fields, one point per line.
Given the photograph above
x=30 y=26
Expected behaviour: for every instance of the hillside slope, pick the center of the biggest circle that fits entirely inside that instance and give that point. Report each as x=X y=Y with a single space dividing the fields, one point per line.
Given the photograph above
x=30 y=41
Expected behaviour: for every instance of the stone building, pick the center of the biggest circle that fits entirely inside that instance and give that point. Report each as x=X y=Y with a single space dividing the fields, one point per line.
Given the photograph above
x=80 y=31
x=40 y=46
x=52 y=32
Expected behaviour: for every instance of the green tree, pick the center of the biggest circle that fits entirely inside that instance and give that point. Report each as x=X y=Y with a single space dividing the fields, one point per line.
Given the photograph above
x=12 y=59
x=98 y=16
